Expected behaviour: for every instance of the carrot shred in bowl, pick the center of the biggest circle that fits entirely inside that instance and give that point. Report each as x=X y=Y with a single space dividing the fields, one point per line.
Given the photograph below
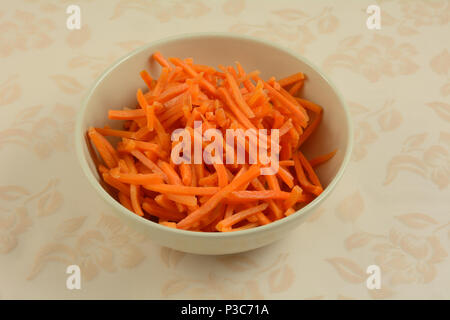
x=222 y=196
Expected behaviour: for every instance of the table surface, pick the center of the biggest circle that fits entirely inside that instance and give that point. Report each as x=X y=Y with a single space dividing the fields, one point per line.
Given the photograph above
x=391 y=209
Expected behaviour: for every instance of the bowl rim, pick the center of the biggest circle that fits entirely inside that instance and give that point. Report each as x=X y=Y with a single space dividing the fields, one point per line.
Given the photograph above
x=79 y=140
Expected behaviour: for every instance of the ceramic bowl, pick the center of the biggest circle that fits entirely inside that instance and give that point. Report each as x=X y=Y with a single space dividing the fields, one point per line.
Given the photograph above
x=116 y=88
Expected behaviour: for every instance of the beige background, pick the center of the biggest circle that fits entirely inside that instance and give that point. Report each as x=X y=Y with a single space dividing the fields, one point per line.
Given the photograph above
x=391 y=209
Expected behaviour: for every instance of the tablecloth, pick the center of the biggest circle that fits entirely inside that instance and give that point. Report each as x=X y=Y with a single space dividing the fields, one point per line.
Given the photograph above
x=391 y=208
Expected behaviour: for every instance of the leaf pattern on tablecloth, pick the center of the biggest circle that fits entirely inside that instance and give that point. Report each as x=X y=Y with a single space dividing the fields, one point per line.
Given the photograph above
x=250 y=279
x=440 y=64
x=19 y=209
x=107 y=245
x=233 y=7
x=428 y=158
x=294 y=26
x=10 y=90
x=407 y=253
x=351 y=207
x=78 y=37
x=23 y=31
x=374 y=57
x=42 y=134
x=164 y=11
x=371 y=124
x=414 y=16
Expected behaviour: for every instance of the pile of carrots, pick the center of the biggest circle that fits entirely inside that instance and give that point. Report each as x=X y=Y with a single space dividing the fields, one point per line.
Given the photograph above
x=137 y=169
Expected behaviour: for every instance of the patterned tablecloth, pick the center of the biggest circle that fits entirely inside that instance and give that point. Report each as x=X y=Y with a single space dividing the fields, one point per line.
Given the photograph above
x=391 y=209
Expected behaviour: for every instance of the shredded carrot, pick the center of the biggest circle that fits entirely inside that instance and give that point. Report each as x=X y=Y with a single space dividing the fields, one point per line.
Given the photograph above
x=322 y=159
x=114 y=133
x=160 y=59
x=139 y=171
x=104 y=148
x=147 y=79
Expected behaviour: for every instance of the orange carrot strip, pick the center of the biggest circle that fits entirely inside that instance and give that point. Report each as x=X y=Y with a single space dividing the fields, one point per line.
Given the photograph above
x=244 y=227
x=186 y=173
x=262 y=219
x=135 y=193
x=125 y=201
x=212 y=202
x=104 y=148
x=237 y=112
x=239 y=216
x=172 y=175
x=172 y=92
x=295 y=88
x=310 y=129
x=189 y=70
x=294 y=196
x=150 y=206
x=236 y=94
x=301 y=116
x=168 y=224
x=322 y=159
x=114 y=133
x=286 y=163
x=183 y=199
x=122 y=187
x=310 y=105
x=209 y=180
x=149 y=164
x=272 y=205
x=304 y=183
x=137 y=178
x=291 y=79
x=286 y=177
x=257 y=195
x=289 y=211
x=309 y=170
x=147 y=79
x=160 y=59
x=182 y=190
x=222 y=175
x=126 y=114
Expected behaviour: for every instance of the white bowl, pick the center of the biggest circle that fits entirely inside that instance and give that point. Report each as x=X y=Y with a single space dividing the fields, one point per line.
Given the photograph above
x=116 y=88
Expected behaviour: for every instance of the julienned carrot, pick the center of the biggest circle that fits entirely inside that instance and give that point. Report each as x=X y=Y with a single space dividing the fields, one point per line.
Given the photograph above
x=182 y=190
x=122 y=187
x=234 y=89
x=125 y=201
x=245 y=196
x=149 y=164
x=304 y=182
x=311 y=174
x=295 y=88
x=322 y=159
x=241 y=215
x=126 y=114
x=183 y=199
x=147 y=79
x=104 y=148
x=298 y=114
x=137 y=178
x=186 y=173
x=187 y=222
x=291 y=79
x=114 y=133
x=152 y=208
x=222 y=196
x=160 y=59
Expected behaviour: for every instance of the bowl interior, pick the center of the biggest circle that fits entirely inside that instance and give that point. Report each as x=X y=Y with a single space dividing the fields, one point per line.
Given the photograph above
x=117 y=88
